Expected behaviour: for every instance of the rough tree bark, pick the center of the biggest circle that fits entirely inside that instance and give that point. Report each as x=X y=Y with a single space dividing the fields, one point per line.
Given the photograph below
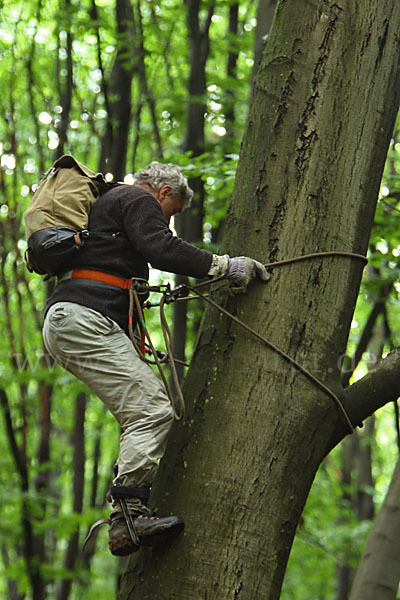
x=240 y=467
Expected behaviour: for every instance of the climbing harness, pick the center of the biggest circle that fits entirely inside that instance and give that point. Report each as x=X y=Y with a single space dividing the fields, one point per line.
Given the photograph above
x=139 y=288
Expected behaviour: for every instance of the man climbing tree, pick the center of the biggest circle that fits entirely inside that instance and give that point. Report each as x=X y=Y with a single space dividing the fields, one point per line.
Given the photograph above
x=323 y=107
x=86 y=331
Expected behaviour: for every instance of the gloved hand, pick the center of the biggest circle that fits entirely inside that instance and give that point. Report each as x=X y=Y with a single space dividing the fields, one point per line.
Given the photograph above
x=241 y=270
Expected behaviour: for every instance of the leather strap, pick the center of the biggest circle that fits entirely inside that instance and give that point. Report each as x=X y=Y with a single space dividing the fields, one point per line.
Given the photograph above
x=114 y=280
x=128 y=491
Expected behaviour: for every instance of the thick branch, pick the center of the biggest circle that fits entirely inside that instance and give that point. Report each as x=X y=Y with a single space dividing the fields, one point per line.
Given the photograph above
x=373 y=391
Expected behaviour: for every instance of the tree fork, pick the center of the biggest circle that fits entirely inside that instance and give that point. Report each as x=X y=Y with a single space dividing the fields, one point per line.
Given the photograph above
x=240 y=467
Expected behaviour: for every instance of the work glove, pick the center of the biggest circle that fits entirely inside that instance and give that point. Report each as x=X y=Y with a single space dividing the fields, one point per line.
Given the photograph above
x=239 y=271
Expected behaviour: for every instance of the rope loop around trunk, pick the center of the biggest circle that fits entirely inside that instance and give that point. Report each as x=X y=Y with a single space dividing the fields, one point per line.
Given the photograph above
x=182 y=293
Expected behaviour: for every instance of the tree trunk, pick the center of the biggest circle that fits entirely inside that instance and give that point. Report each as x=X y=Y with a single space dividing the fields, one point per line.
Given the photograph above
x=265 y=14
x=115 y=141
x=12 y=583
x=348 y=449
x=356 y=451
x=240 y=467
x=189 y=225
x=29 y=541
x=66 y=93
x=378 y=573
x=230 y=96
x=78 y=442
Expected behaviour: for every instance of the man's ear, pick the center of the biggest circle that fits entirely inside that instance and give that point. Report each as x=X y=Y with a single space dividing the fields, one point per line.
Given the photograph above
x=164 y=192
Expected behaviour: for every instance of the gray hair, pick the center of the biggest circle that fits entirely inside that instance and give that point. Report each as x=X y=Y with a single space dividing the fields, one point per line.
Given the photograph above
x=157 y=174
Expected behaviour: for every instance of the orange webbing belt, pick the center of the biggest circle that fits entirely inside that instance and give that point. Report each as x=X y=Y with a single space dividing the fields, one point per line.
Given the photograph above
x=119 y=282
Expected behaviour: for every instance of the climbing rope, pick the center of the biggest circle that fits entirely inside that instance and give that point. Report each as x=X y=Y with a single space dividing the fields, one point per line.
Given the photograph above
x=169 y=295
x=135 y=305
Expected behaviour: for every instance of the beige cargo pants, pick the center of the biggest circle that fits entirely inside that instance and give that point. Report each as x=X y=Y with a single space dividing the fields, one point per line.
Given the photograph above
x=97 y=351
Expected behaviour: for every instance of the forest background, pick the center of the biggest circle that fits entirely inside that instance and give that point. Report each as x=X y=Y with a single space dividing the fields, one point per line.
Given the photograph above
x=119 y=84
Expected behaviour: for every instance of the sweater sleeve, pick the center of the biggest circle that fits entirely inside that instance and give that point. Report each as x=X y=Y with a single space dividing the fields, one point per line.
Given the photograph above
x=148 y=232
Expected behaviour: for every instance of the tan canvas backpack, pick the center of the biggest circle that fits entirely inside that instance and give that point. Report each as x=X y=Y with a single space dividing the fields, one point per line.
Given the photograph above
x=57 y=218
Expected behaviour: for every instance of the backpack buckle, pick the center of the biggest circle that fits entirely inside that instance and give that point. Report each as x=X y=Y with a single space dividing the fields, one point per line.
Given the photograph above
x=80 y=237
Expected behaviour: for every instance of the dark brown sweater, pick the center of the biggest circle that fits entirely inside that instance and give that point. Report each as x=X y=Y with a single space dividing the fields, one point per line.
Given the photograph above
x=146 y=238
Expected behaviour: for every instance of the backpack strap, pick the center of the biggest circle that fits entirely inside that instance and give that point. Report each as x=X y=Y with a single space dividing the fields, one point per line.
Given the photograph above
x=84 y=234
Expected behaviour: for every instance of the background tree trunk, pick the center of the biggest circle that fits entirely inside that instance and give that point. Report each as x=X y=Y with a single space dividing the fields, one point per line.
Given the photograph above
x=115 y=141
x=265 y=14
x=356 y=451
x=240 y=468
x=189 y=225
x=78 y=442
x=378 y=573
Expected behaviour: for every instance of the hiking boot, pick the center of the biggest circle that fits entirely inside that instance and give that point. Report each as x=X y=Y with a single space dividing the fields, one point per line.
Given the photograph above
x=146 y=529
x=150 y=531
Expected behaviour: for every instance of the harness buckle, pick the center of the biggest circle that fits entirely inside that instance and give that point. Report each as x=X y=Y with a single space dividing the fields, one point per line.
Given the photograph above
x=141 y=286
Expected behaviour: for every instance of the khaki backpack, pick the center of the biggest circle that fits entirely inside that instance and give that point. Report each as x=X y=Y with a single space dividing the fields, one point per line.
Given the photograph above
x=57 y=218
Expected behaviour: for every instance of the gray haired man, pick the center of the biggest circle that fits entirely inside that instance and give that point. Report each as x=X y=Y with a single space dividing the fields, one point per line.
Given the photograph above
x=86 y=331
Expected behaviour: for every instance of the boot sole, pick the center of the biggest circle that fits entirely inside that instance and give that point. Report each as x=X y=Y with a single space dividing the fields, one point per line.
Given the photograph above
x=123 y=546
